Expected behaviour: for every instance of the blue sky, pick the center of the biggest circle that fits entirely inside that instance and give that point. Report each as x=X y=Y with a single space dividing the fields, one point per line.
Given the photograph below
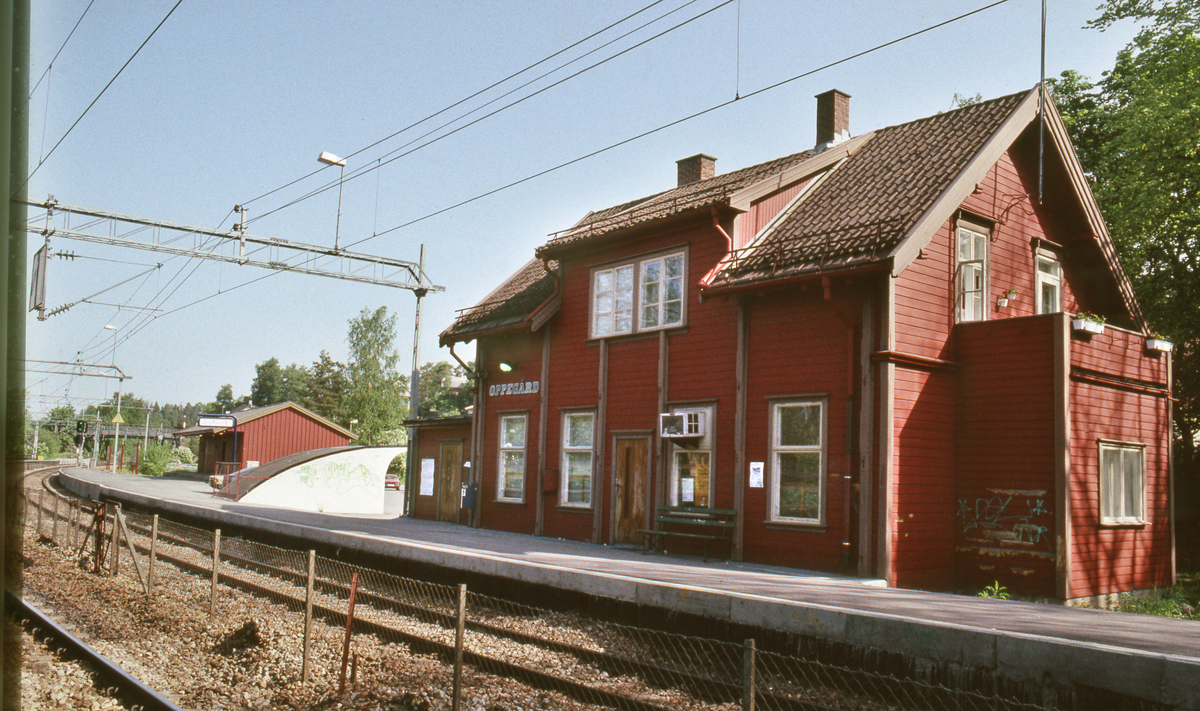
x=230 y=100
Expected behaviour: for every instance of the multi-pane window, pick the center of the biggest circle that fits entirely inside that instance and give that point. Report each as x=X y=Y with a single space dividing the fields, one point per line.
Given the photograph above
x=512 y=457
x=1122 y=483
x=971 y=286
x=691 y=481
x=578 y=436
x=797 y=460
x=653 y=289
x=1049 y=285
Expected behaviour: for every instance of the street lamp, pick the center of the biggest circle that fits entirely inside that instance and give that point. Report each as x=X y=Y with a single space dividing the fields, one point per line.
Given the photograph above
x=117 y=419
x=352 y=424
x=330 y=159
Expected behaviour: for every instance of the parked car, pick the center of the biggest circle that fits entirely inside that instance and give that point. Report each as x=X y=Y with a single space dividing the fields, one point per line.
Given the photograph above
x=391 y=481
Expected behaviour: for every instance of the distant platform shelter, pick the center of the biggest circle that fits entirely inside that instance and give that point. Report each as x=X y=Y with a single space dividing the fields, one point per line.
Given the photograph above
x=264 y=434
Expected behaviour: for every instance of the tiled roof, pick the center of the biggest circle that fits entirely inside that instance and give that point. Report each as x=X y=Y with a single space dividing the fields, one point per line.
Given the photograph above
x=704 y=193
x=863 y=208
x=509 y=305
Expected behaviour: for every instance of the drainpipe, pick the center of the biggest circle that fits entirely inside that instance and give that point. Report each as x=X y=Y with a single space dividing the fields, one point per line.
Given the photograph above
x=706 y=281
x=847 y=475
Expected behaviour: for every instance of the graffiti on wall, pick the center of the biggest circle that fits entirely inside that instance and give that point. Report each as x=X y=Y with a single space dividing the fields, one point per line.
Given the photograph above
x=1017 y=518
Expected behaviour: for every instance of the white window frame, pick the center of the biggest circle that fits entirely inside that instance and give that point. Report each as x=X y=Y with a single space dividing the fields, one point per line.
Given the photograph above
x=617 y=311
x=505 y=448
x=1117 y=507
x=703 y=446
x=971 y=272
x=779 y=450
x=572 y=449
x=1046 y=280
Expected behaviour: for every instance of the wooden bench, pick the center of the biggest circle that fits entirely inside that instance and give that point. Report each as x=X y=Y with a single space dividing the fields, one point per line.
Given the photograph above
x=708 y=524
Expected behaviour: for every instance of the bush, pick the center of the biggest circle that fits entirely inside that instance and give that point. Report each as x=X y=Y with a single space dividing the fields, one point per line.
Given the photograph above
x=155 y=460
x=183 y=455
x=1164 y=602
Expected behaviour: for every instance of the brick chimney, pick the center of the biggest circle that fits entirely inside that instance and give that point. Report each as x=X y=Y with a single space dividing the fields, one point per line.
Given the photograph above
x=698 y=167
x=833 y=118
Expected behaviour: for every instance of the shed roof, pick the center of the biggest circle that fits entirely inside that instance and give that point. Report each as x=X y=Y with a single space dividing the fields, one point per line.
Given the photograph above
x=246 y=414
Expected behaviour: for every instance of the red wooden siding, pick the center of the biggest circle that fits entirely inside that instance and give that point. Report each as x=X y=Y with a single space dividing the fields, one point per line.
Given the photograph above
x=762 y=211
x=525 y=352
x=1005 y=464
x=284 y=432
x=429 y=446
x=1115 y=558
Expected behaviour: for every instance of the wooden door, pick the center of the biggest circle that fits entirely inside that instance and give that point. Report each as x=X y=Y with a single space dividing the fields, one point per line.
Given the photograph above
x=449 y=481
x=631 y=462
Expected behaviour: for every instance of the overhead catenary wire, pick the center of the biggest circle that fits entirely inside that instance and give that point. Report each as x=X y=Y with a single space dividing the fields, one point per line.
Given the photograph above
x=102 y=91
x=60 y=49
x=367 y=169
x=627 y=141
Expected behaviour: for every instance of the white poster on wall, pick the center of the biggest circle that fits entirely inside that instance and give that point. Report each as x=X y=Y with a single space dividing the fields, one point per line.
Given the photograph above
x=688 y=493
x=427 y=477
x=756 y=475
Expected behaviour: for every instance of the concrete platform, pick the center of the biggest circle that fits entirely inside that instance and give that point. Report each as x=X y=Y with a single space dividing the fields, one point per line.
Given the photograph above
x=1146 y=657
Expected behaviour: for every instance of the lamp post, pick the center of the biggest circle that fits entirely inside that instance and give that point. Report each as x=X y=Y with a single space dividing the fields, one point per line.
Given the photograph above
x=330 y=159
x=117 y=419
x=352 y=424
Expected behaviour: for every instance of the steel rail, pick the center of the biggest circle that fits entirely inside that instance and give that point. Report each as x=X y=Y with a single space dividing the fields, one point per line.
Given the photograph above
x=129 y=688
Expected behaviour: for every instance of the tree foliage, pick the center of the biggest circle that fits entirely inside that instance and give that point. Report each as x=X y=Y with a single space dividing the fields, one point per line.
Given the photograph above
x=445 y=392
x=377 y=392
x=324 y=389
x=1137 y=133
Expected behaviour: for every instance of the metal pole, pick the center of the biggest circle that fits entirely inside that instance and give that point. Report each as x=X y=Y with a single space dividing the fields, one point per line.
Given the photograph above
x=115 y=543
x=349 y=628
x=308 y=605
x=117 y=432
x=96 y=439
x=41 y=497
x=146 y=434
x=54 y=528
x=748 y=681
x=414 y=393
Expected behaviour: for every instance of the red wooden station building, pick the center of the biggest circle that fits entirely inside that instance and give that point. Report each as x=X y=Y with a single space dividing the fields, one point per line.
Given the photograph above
x=867 y=351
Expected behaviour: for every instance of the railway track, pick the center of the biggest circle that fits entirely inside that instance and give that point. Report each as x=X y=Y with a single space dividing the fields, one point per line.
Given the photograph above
x=128 y=690
x=232 y=561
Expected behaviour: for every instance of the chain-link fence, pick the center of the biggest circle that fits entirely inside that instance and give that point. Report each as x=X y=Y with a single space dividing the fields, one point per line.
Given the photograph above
x=343 y=609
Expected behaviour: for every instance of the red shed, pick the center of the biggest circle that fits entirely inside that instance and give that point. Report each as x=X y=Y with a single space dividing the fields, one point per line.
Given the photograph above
x=870 y=353
x=265 y=434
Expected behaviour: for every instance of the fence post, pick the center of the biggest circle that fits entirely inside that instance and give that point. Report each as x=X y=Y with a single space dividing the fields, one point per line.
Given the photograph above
x=153 y=553
x=54 y=528
x=308 y=604
x=349 y=628
x=115 y=543
x=41 y=498
x=458 y=647
x=216 y=561
x=748 y=681
x=71 y=523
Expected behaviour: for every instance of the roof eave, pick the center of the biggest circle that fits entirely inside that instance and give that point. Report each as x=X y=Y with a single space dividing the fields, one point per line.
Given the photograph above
x=951 y=198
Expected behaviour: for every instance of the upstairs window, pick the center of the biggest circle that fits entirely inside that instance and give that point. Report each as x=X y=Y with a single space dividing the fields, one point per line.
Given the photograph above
x=645 y=295
x=1049 y=284
x=971 y=278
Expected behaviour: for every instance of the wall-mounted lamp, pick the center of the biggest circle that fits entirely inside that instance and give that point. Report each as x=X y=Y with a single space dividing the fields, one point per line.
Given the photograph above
x=507 y=367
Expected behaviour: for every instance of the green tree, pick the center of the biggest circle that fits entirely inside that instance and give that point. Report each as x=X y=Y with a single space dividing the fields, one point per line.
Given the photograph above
x=225 y=401
x=1137 y=132
x=376 y=389
x=267 y=388
x=323 y=389
x=445 y=392
x=295 y=383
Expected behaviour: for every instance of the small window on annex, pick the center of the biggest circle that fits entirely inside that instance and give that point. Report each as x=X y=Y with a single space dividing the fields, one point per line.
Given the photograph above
x=511 y=481
x=645 y=295
x=798 y=461
x=578 y=436
x=1122 y=483
x=1049 y=283
x=691 y=463
x=971 y=269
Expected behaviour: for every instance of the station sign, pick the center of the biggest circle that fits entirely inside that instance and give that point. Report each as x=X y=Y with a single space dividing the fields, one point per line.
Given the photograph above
x=526 y=388
x=217 y=421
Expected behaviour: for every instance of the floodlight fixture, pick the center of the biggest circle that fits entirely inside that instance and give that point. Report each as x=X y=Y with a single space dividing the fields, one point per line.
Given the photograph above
x=330 y=159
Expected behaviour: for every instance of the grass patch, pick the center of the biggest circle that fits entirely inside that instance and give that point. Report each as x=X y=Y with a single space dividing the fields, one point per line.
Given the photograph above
x=1180 y=601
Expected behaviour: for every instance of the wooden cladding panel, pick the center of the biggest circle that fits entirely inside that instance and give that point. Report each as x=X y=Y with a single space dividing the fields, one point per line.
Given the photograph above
x=1121 y=354
x=1110 y=559
x=282 y=433
x=923 y=488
